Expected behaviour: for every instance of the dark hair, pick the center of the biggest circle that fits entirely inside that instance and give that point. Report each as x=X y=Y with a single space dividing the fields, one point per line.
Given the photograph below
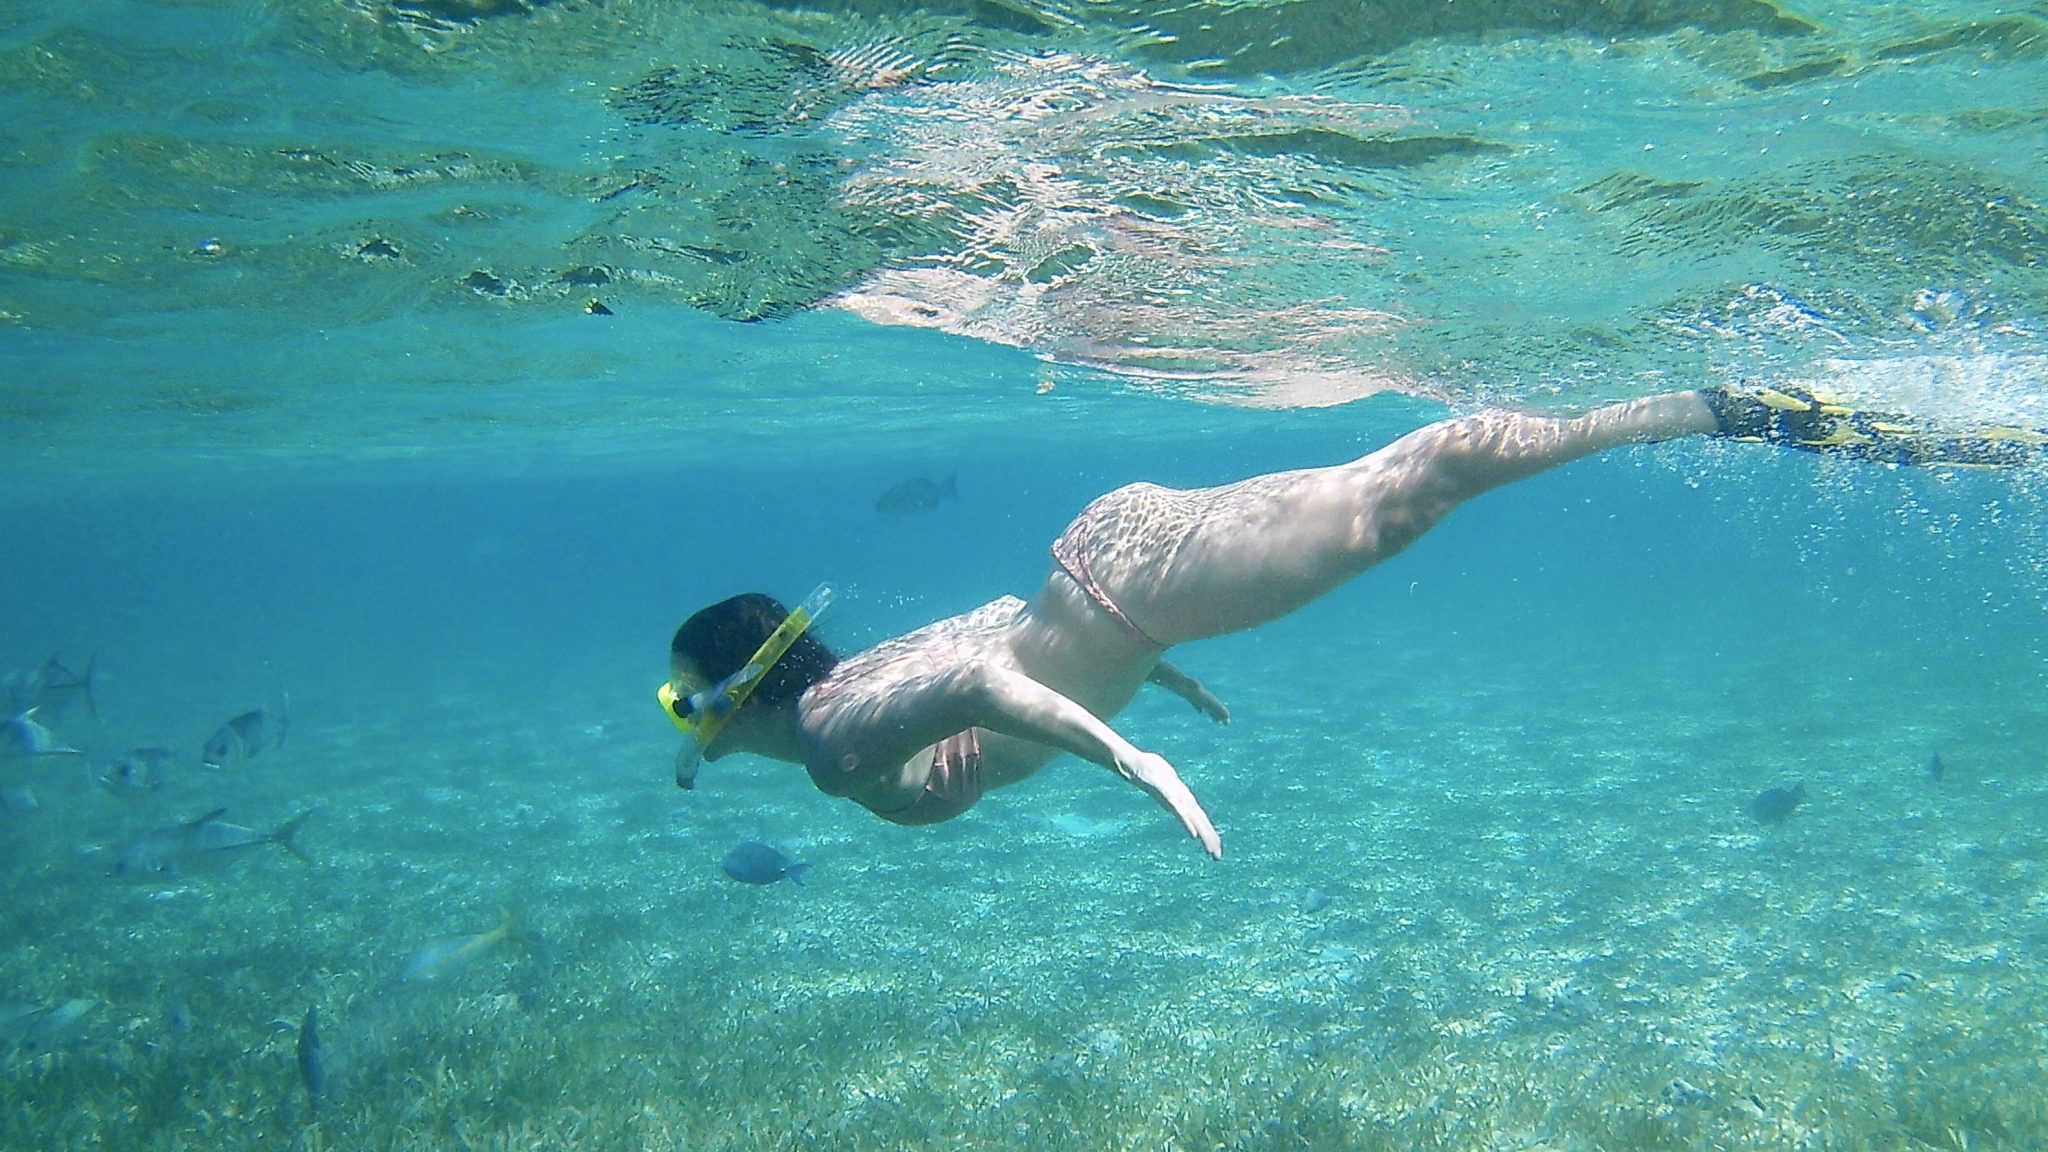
x=720 y=639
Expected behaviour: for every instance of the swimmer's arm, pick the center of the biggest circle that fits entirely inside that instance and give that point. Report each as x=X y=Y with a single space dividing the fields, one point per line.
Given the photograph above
x=1189 y=689
x=882 y=731
x=1016 y=705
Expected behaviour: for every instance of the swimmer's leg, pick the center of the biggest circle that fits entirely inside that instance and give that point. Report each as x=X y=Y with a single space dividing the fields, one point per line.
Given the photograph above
x=1263 y=547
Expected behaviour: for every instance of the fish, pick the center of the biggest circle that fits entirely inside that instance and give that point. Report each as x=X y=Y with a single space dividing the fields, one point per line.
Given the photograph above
x=41 y=1027
x=1681 y=1093
x=177 y=1017
x=209 y=841
x=1935 y=768
x=451 y=953
x=53 y=688
x=57 y=688
x=753 y=862
x=22 y=735
x=312 y=1062
x=1773 y=805
x=141 y=770
x=918 y=495
x=244 y=738
x=18 y=798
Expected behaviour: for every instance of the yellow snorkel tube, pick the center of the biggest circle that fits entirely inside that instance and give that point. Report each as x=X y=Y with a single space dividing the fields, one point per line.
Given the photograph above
x=701 y=715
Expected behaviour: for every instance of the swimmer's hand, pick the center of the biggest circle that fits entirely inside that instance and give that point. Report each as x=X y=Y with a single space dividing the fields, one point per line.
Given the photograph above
x=1191 y=690
x=987 y=695
x=1208 y=705
x=1151 y=772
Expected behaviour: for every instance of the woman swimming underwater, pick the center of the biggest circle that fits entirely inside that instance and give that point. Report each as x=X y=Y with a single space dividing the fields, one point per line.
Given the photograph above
x=916 y=728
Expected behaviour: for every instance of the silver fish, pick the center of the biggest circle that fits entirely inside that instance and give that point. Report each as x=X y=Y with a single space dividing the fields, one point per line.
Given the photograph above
x=57 y=688
x=450 y=953
x=21 y=735
x=244 y=738
x=38 y=1028
x=142 y=769
x=52 y=687
x=210 y=841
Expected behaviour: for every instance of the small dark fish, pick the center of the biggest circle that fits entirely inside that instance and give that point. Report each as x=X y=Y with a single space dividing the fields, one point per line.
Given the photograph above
x=209 y=841
x=1682 y=1094
x=177 y=1017
x=1773 y=805
x=245 y=737
x=312 y=1064
x=756 y=863
x=21 y=735
x=141 y=770
x=1935 y=768
x=917 y=495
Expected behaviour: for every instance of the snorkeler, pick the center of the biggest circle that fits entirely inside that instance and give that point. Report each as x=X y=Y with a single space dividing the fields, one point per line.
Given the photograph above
x=916 y=728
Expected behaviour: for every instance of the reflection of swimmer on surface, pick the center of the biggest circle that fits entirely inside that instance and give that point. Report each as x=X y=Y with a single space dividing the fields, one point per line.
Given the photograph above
x=916 y=728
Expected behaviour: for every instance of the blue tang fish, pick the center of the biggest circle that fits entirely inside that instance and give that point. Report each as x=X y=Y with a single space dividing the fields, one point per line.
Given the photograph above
x=756 y=863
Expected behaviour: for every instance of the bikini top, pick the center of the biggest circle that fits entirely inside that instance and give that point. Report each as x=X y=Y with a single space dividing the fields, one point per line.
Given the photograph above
x=951 y=786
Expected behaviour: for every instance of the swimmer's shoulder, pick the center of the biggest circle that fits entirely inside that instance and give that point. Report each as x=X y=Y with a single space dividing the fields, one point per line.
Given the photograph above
x=997 y=614
x=988 y=620
x=941 y=643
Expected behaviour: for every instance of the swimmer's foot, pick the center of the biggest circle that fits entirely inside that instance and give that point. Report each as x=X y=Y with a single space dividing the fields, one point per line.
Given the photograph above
x=1812 y=422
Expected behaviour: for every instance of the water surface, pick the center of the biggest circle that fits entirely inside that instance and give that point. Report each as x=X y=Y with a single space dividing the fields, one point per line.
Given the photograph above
x=415 y=368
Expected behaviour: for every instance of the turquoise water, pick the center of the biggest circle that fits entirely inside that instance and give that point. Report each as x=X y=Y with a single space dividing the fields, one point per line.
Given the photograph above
x=305 y=407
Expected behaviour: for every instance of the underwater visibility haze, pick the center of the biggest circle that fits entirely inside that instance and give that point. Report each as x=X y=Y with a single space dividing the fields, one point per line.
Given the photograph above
x=383 y=381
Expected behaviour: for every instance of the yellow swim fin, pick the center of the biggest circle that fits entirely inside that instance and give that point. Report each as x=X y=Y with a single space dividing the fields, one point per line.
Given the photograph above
x=1816 y=422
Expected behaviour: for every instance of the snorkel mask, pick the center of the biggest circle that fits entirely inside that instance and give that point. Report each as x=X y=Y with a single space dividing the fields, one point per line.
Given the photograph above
x=702 y=715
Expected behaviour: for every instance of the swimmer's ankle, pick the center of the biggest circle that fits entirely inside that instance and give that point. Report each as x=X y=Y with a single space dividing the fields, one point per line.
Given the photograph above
x=1794 y=417
x=1791 y=416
